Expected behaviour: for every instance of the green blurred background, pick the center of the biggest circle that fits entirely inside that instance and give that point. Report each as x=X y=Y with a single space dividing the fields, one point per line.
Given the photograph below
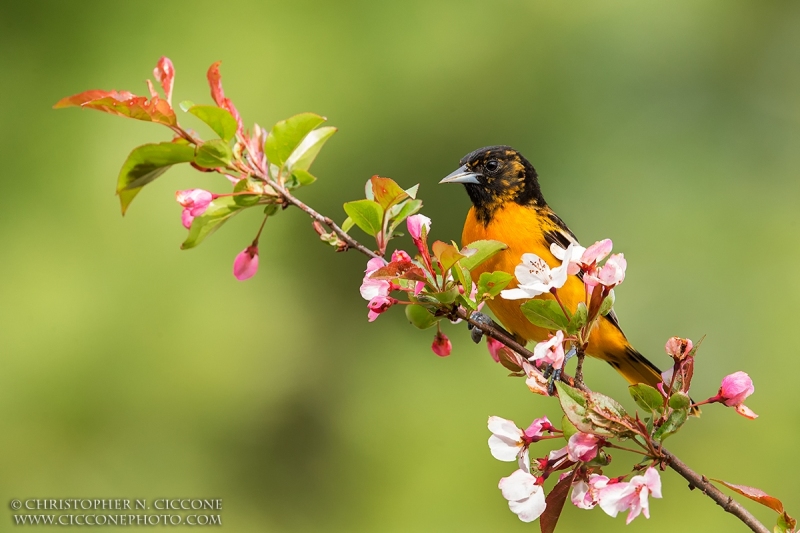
x=132 y=369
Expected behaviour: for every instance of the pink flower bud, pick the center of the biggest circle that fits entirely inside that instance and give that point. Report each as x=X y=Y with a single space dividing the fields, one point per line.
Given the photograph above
x=415 y=224
x=379 y=305
x=399 y=256
x=583 y=447
x=494 y=346
x=441 y=345
x=186 y=218
x=677 y=347
x=195 y=200
x=735 y=388
x=246 y=263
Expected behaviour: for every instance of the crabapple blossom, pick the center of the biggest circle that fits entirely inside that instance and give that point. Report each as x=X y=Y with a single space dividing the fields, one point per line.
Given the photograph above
x=677 y=347
x=631 y=495
x=734 y=390
x=370 y=288
x=441 y=345
x=535 y=277
x=612 y=273
x=399 y=256
x=379 y=305
x=584 y=494
x=524 y=494
x=550 y=351
x=415 y=224
x=535 y=380
x=246 y=263
x=508 y=442
x=194 y=203
x=583 y=447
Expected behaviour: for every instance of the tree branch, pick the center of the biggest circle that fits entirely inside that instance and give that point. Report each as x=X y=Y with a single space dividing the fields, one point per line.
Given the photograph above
x=492 y=330
x=720 y=498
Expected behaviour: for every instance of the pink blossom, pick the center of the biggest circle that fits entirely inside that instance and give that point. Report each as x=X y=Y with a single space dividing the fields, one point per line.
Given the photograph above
x=441 y=345
x=677 y=347
x=415 y=224
x=379 y=305
x=633 y=495
x=370 y=288
x=734 y=390
x=246 y=263
x=524 y=494
x=535 y=380
x=494 y=346
x=194 y=202
x=584 y=495
x=550 y=351
x=535 y=277
x=508 y=442
x=583 y=447
x=612 y=272
x=399 y=256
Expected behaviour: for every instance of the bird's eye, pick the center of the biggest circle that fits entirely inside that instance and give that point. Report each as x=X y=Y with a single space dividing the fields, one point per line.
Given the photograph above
x=492 y=165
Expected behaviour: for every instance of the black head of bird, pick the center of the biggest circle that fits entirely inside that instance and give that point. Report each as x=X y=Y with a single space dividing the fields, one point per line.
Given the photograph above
x=495 y=175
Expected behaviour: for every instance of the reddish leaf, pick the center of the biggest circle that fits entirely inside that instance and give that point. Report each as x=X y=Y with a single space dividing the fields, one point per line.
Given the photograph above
x=447 y=254
x=124 y=104
x=77 y=100
x=400 y=269
x=165 y=75
x=387 y=192
x=756 y=495
x=555 y=504
x=218 y=94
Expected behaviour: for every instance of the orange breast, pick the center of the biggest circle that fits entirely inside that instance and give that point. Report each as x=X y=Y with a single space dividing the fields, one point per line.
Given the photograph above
x=523 y=231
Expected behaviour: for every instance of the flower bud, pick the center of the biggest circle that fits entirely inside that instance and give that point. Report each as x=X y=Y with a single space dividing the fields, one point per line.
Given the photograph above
x=441 y=345
x=246 y=263
x=677 y=348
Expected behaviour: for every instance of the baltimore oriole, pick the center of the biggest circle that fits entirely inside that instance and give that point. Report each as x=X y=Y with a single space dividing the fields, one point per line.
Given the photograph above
x=508 y=206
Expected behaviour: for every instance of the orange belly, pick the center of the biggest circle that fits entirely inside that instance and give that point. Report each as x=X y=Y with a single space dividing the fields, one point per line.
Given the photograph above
x=522 y=230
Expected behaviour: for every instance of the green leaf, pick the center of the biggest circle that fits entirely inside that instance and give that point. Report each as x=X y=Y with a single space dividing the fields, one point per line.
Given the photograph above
x=386 y=192
x=348 y=224
x=680 y=400
x=144 y=164
x=573 y=403
x=186 y=105
x=398 y=213
x=491 y=283
x=608 y=415
x=219 y=211
x=307 y=151
x=447 y=297
x=303 y=177
x=412 y=191
x=579 y=319
x=213 y=154
x=647 y=397
x=218 y=119
x=287 y=135
x=607 y=304
x=270 y=209
x=568 y=428
x=251 y=185
x=483 y=251
x=545 y=314
x=673 y=423
x=366 y=214
x=420 y=317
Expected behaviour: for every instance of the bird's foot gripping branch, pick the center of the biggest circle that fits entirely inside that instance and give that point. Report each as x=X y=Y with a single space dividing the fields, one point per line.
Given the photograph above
x=441 y=282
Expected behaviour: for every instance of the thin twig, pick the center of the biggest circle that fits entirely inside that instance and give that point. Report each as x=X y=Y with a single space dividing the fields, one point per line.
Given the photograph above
x=720 y=498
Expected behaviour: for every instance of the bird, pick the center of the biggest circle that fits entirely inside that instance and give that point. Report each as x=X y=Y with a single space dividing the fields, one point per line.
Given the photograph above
x=508 y=206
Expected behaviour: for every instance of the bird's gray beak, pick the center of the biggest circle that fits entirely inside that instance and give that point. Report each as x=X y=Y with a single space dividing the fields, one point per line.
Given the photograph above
x=461 y=175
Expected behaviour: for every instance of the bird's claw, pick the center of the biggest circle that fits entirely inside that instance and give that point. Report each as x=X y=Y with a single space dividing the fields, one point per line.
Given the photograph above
x=476 y=333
